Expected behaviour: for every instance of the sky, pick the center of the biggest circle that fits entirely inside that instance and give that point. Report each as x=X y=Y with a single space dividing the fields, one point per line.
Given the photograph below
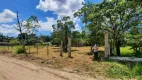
x=47 y=12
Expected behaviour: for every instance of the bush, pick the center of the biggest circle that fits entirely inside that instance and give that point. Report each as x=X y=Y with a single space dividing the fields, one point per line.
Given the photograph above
x=20 y=50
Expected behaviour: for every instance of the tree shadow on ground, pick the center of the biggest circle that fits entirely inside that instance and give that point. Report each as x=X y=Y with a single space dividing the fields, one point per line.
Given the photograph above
x=55 y=48
x=71 y=50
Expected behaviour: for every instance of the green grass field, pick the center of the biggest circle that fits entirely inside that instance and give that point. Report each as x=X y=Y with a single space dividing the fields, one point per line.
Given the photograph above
x=127 y=51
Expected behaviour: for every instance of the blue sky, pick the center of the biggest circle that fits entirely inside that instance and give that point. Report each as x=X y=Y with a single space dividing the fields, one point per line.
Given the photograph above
x=47 y=11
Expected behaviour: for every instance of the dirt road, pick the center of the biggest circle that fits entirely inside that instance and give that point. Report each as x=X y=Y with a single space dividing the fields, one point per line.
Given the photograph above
x=13 y=69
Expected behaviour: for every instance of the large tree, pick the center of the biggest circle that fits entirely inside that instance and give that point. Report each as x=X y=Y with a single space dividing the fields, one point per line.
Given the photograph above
x=115 y=16
x=63 y=30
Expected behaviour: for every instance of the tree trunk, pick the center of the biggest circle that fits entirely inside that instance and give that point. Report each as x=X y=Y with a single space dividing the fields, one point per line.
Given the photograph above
x=23 y=46
x=66 y=41
x=37 y=48
x=111 y=48
x=69 y=46
x=117 y=44
x=8 y=46
x=61 y=48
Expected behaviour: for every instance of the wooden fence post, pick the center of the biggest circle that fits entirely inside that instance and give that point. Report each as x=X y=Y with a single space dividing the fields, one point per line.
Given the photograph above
x=4 y=46
x=8 y=46
x=69 y=46
x=47 y=49
x=11 y=48
x=107 y=47
x=29 y=49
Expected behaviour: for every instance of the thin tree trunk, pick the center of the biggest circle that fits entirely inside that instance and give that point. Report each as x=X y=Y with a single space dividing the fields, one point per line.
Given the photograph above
x=23 y=46
x=69 y=46
x=66 y=41
x=20 y=30
x=111 y=49
x=37 y=48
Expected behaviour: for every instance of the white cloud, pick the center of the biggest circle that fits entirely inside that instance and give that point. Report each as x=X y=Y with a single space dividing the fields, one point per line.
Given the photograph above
x=8 y=30
x=60 y=7
x=47 y=26
x=7 y=16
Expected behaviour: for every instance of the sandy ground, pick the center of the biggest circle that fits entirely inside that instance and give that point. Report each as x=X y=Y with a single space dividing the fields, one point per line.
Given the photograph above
x=13 y=69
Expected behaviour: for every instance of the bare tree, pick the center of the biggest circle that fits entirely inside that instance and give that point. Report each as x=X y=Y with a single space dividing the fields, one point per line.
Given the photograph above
x=20 y=28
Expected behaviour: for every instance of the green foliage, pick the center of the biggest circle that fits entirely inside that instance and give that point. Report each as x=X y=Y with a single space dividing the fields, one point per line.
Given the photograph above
x=44 y=38
x=55 y=41
x=134 y=38
x=20 y=50
x=14 y=41
x=125 y=70
x=137 y=70
x=79 y=38
x=62 y=30
x=118 y=70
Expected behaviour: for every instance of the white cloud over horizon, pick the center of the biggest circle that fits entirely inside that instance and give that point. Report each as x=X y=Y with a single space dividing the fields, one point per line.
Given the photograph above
x=8 y=30
x=7 y=16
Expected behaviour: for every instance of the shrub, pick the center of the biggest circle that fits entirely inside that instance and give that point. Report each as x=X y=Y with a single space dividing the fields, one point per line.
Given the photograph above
x=20 y=50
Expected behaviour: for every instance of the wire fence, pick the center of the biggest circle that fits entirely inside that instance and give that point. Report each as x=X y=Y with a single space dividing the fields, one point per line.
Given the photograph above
x=35 y=49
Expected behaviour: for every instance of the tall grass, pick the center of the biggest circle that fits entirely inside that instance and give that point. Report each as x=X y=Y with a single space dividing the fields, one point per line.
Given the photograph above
x=125 y=70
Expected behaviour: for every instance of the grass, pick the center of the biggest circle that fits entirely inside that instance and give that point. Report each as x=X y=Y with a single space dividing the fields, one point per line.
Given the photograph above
x=125 y=70
x=127 y=51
